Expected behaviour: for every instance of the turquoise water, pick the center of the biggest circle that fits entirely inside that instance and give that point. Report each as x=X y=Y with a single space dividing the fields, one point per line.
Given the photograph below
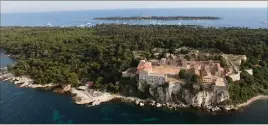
x=26 y=105
x=242 y=17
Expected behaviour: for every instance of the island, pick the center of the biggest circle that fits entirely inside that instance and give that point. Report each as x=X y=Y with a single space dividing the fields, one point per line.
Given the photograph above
x=172 y=66
x=166 y=18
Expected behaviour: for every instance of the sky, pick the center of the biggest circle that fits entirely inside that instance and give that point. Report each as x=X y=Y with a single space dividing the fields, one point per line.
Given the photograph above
x=45 y=6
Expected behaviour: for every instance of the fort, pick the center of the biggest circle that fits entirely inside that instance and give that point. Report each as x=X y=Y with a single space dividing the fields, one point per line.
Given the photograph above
x=168 y=68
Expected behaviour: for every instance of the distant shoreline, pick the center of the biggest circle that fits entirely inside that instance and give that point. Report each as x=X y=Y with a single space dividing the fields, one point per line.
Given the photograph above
x=159 y=18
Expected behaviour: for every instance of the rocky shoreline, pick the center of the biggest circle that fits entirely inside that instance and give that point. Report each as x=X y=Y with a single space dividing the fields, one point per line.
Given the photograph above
x=80 y=96
x=93 y=97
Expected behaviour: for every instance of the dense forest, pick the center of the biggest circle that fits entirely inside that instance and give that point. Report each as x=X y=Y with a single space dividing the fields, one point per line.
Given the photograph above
x=100 y=53
x=160 y=18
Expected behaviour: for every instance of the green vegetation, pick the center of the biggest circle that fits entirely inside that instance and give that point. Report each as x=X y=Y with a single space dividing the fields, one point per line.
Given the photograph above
x=249 y=86
x=223 y=62
x=101 y=53
x=195 y=78
x=182 y=74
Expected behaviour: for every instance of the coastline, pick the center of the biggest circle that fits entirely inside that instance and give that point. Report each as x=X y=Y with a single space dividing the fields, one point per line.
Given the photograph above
x=251 y=100
x=87 y=96
x=94 y=97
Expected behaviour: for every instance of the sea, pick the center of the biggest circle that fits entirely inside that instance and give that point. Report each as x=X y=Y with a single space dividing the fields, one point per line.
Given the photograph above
x=33 y=106
x=231 y=17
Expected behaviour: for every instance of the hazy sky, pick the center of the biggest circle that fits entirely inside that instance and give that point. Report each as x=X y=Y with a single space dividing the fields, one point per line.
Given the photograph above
x=41 y=6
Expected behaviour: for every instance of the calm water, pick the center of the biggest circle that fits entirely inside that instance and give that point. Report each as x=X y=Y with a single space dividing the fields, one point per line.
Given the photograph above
x=26 y=105
x=251 y=18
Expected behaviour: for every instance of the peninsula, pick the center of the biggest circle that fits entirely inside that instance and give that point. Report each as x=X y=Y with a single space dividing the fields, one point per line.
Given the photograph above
x=159 y=18
x=172 y=66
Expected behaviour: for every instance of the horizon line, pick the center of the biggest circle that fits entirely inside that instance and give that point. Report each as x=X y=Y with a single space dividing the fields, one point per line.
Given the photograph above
x=103 y=9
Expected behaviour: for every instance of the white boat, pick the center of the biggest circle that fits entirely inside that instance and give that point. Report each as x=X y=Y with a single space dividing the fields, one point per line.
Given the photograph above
x=48 y=24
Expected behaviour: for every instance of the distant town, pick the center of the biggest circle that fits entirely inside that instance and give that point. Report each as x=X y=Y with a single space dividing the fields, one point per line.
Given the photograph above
x=144 y=17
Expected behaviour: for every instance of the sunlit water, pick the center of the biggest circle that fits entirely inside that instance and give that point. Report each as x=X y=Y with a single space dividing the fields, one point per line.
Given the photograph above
x=242 y=17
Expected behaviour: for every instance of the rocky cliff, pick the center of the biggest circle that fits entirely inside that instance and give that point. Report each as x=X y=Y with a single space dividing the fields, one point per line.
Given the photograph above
x=208 y=97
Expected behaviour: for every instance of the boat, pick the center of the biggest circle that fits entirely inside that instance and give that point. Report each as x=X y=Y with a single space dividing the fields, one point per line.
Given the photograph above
x=48 y=24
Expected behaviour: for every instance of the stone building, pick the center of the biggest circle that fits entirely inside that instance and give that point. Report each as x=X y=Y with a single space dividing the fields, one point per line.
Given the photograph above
x=145 y=71
x=167 y=69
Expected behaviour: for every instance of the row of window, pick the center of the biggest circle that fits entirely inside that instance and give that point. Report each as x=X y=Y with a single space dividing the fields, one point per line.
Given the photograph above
x=151 y=81
x=152 y=77
x=207 y=81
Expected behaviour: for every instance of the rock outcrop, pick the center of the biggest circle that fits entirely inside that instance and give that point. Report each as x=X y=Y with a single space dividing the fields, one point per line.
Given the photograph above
x=209 y=97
